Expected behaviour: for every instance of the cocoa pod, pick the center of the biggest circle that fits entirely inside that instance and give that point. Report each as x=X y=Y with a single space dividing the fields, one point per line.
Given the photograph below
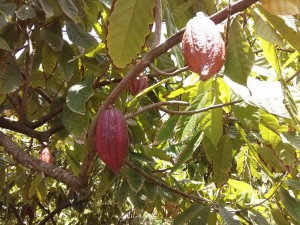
x=138 y=85
x=46 y=155
x=112 y=140
x=203 y=47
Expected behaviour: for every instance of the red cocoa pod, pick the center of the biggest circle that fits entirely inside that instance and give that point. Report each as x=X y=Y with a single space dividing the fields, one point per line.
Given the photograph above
x=203 y=47
x=138 y=85
x=46 y=155
x=112 y=139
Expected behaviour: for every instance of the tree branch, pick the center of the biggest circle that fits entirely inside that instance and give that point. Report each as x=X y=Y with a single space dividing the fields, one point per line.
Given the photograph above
x=31 y=162
x=157 y=105
x=158 y=22
x=139 y=67
x=167 y=74
x=200 y=110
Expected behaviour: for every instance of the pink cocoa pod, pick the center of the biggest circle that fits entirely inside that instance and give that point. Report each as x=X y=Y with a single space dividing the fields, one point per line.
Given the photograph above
x=112 y=140
x=203 y=47
x=46 y=155
x=138 y=85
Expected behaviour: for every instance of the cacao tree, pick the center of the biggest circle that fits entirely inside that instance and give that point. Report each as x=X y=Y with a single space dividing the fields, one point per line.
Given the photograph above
x=105 y=120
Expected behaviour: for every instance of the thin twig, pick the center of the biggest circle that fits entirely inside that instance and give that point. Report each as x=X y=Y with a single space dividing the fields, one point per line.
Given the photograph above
x=292 y=77
x=200 y=110
x=154 y=106
x=167 y=74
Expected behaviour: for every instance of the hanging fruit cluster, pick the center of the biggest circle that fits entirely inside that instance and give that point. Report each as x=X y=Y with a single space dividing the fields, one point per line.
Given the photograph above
x=203 y=47
x=112 y=139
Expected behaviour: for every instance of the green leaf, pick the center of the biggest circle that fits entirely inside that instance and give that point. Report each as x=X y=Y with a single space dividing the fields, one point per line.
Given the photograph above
x=79 y=94
x=75 y=123
x=2 y=174
x=135 y=180
x=270 y=54
x=34 y=184
x=128 y=27
x=290 y=138
x=166 y=131
x=228 y=216
x=279 y=218
x=187 y=151
x=190 y=213
x=295 y=184
x=248 y=116
x=10 y=78
x=53 y=36
x=4 y=45
x=25 y=12
x=239 y=56
x=7 y=10
x=47 y=7
x=222 y=161
x=290 y=35
x=291 y=205
x=240 y=185
x=264 y=30
x=167 y=195
x=42 y=192
x=123 y=193
x=79 y=36
x=150 y=191
x=69 y=9
x=258 y=218
x=66 y=62
x=49 y=59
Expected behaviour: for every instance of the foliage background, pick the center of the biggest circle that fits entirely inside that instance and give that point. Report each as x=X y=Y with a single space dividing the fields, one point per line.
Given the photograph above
x=223 y=151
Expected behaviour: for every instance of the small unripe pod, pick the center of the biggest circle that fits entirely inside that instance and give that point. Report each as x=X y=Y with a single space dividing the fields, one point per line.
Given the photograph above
x=138 y=85
x=46 y=155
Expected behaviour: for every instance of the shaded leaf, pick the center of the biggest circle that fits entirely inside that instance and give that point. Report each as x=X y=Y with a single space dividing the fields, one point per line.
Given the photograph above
x=34 y=185
x=47 y=7
x=295 y=184
x=49 y=59
x=123 y=193
x=291 y=205
x=53 y=36
x=66 y=62
x=69 y=9
x=258 y=218
x=190 y=213
x=75 y=123
x=25 y=12
x=79 y=36
x=10 y=78
x=166 y=131
x=4 y=45
x=150 y=191
x=228 y=216
x=279 y=218
x=135 y=180
x=79 y=94
x=222 y=161
x=128 y=26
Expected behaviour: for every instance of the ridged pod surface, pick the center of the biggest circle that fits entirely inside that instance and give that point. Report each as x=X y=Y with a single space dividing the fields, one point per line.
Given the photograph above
x=203 y=47
x=46 y=155
x=138 y=85
x=111 y=138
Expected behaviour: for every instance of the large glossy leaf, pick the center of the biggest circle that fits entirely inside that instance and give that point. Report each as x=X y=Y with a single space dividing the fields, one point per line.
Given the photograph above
x=135 y=180
x=53 y=36
x=291 y=205
x=222 y=161
x=271 y=55
x=34 y=184
x=290 y=35
x=239 y=56
x=7 y=11
x=240 y=185
x=47 y=7
x=150 y=191
x=49 y=59
x=123 y=193
x=10 y=78
x=69 y=9
x=228 y=216
x=128 y=26
x=25 y=12
x=79 y=36
x=279 y=218
x=79 y=94
x=66 y=62
x=266 y=31
x=75 y=123
x=4 y=45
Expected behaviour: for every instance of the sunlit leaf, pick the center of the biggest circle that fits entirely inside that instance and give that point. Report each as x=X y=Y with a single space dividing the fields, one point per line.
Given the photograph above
x=228 y=216
x=10 y=78
x=291 y=205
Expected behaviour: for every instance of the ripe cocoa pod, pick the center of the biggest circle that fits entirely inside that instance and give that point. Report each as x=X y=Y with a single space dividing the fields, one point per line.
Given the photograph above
x=138 y=85
x=203 y=47
x=46 y=155
x=112 y=139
